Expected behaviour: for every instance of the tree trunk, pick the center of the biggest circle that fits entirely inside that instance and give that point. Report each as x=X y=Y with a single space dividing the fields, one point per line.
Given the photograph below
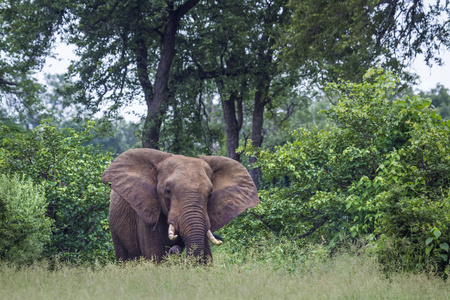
x=258 y=121
x=153 y=121
x=155 y=99
x=233 y=124
x=261 y=99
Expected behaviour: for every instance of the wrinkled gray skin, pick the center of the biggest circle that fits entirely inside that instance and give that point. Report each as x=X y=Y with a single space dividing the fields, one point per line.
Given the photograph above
x=151 y=189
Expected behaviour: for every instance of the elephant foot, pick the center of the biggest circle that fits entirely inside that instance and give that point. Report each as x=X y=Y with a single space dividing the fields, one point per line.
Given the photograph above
x=175 y=250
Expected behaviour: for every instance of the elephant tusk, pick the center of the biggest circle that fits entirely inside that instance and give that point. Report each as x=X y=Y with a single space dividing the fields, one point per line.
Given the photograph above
x=172 y=235
x=212 y=238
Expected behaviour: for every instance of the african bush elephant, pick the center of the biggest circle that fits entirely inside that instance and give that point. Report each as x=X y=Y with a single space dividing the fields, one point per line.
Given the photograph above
x=162 y=203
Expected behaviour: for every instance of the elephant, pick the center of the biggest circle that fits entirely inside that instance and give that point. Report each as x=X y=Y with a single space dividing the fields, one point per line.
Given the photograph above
x=162 y=203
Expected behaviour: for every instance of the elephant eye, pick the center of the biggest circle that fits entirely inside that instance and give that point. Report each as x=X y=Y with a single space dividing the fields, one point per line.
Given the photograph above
x=167 y=190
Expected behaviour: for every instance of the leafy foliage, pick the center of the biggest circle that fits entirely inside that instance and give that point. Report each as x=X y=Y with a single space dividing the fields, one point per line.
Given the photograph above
x=24 y=228
x=164 y=54
x=70 y=174
x=335 y=39
x=24 y=43
x=381 y=169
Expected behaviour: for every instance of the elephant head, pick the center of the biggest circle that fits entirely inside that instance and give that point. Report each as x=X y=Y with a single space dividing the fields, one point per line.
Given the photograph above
x=162 y=202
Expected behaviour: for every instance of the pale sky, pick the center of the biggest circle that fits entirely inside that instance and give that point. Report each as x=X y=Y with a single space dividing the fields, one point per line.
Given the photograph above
x=430 y=77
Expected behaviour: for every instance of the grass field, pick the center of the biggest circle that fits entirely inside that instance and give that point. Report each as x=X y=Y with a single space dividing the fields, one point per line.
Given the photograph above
x=344 y=277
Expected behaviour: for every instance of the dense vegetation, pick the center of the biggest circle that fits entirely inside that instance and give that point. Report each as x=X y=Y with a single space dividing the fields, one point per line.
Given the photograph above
x=72 y=195
x=368 y=174
x=379 y=172
x=24 y=227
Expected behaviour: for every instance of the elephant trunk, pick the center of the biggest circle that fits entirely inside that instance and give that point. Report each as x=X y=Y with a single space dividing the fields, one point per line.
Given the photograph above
x=193 y=232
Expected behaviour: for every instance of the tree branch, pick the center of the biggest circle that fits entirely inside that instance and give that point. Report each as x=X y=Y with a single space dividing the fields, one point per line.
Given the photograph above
x=7 y=82
x=184 y=8
x=264 y=222
x=316 y=226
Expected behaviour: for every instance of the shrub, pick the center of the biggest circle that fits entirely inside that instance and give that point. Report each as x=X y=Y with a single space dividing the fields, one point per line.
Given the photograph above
x=70 y=173
x=381 y=169
x=24 y=228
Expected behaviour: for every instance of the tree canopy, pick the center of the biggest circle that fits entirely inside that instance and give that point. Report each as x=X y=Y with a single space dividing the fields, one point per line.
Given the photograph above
x=250 y=55
x=342 y=39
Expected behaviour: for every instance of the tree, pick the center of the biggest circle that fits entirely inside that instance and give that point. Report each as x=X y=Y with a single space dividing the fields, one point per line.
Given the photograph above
x=25 y=42
x=270 y=83
x=342 y=39
x=218 y=51
x=240 y=40
x=120 y=44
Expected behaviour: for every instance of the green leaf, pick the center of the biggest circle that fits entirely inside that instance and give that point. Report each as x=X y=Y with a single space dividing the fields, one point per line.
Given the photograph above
x=437 y=233
x=429 y=240
x=444 y=257
x=444 y=246
x=428 y=250
x=52 y=183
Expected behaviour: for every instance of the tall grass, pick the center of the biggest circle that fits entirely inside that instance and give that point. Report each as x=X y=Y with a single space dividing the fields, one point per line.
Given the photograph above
x=343 y=277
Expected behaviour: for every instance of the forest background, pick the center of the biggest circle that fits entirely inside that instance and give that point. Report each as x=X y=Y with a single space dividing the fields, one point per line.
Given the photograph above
x=243 y=79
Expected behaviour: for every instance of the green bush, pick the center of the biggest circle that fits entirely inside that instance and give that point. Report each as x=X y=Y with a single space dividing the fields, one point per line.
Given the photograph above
x=381 y=169
x=24 y=228
x=70 y=173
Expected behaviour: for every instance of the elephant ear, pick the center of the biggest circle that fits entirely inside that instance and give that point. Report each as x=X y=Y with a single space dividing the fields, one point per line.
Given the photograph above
x=133 y=175
x=233 y=191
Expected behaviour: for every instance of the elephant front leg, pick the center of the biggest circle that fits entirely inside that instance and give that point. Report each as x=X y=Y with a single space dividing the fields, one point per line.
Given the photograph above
x=175 y=250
